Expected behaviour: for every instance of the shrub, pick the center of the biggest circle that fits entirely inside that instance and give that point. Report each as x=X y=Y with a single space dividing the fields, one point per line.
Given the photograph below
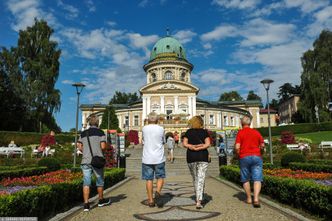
x=297 y=128
x=320 y=161
x=51 y=163
x=291 y=157
x=287 y=137
x=304 y=194
x=312 y=167
x=270 y=166
x=45 y=201
x=23 y=172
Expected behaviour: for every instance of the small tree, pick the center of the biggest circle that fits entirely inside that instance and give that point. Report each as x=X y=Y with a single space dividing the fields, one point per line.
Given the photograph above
x=287 y=137
x=113 y=119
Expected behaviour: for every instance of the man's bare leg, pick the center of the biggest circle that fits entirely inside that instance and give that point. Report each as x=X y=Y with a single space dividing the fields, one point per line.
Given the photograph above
x=257 y=190
x=86 y=193
x=246 y=187
x=149 y=190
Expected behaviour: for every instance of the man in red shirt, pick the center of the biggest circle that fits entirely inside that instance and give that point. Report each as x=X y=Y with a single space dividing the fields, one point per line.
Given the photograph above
x=248 y=145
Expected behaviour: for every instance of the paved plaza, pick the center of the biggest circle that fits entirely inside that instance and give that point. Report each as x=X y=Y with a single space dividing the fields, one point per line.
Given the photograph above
x=223 y=203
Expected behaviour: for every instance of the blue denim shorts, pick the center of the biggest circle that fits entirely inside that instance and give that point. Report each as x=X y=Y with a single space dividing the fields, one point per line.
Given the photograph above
x=87 y=173
x=150 y=171
x=251 y=168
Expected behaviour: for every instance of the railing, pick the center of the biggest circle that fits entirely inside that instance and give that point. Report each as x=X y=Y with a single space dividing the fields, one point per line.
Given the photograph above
x=173 y=122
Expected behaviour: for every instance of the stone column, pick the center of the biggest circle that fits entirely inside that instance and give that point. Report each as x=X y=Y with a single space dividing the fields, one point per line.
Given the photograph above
x=194 y=105
x=176 y=104
x=162 y=104
x=258 y=119
x=144 y=110
x=148 y=104
x=190 y=106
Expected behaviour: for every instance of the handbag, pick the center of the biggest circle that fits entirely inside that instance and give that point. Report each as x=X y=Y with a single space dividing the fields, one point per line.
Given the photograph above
x=96 y=161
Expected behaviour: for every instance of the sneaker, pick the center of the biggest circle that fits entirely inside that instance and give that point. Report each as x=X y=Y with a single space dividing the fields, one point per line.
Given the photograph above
x=86 y=207
x=157 y=197
x=104 y=202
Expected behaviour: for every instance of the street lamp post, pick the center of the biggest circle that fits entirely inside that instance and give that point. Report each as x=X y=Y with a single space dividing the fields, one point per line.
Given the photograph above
x=79 y=87
x=266 y=83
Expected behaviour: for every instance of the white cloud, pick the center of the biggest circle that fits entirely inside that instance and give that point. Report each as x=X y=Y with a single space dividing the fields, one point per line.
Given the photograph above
x=306 y=6
x=323 y=20
x=237 y=4
x=111 y=23
x=262 y=32
x=267 y=9
x=120 y=78
x=91 y=6
x=143 y=3
x=68 y=82
x=220 y=32
x=25 y=11
x=139 y=41
x=185 y=36
x=72 y=12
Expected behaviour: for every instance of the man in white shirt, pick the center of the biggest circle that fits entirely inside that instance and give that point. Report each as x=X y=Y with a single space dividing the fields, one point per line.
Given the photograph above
x=153 y=160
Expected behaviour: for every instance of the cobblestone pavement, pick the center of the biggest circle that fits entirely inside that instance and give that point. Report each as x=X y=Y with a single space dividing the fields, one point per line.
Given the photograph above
x=224 y=203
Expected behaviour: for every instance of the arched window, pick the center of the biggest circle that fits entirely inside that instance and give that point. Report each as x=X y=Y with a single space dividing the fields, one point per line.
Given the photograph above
x=153 y=77
x=183 y=76
x=168 y=75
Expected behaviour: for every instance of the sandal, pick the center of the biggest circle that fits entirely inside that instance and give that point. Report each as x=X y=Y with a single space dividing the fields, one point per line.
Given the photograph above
x=151 y=204
x=257 y=204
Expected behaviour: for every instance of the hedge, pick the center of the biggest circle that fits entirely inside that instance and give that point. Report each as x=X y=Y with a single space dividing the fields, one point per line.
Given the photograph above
x=320 y=161
x=297 y=128
x=22 y=172
x=27 y=138
x=312 y=167
x=46 y=201
x=304 y=194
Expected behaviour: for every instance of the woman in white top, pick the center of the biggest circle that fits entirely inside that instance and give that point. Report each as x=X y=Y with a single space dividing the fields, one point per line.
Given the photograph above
x=170 y=146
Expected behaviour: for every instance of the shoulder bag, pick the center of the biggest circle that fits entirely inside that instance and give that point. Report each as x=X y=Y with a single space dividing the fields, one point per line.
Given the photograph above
x=96 y=161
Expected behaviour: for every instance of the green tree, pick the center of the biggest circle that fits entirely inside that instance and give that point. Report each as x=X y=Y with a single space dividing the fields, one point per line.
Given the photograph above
x=287 y=90
x=230 y=96
x=317 y=71
x=274 y=104
x=113 y=119
x=39 y=64
x=252 y=96
x=12 y=109
x=124 y=98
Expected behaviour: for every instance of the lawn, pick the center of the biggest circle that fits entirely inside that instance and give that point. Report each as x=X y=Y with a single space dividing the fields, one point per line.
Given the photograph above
x=317 y=137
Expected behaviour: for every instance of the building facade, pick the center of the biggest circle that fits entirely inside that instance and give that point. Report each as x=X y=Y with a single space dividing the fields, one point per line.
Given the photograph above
x=170 y=93
x=288 y=108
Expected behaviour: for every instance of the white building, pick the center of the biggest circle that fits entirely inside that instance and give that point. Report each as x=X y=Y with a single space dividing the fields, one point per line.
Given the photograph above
x=170 y=93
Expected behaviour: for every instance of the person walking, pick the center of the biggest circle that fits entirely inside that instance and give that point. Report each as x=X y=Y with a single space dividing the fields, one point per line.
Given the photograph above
x=153 y=159
x=170 y=147
x=197 y=141
x=176 y=138
x=248 y=145
x=92 y=142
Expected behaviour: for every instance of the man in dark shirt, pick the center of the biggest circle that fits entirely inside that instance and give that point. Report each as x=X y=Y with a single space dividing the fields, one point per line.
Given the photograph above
x=97 y=140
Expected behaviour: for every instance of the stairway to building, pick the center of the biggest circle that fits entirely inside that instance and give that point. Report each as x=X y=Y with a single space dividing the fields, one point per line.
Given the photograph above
x=178 y=167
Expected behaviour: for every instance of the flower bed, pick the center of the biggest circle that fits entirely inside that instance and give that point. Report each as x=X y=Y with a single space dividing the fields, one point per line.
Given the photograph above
x=55 y=193
x=60 y=176
x=297 y=174
x=297 y=192
x=22 y=172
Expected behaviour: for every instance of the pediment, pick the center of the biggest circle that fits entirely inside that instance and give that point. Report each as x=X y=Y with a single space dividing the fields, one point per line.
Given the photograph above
x=169 y=86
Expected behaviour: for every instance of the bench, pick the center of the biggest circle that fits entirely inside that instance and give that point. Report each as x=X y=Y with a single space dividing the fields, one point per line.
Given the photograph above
x=299 y=146
x=325 y=145
x=47 y=152
x=10 y=151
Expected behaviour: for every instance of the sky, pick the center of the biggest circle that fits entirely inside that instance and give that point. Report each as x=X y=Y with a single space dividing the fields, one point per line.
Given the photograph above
x=233 y=44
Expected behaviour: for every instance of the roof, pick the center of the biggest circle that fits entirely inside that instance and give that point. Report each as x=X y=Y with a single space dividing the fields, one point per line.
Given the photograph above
x=168 y=47
x=244 y=102
x=265 y=111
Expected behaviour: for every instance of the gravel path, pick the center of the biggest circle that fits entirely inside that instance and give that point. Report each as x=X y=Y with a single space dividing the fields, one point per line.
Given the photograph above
x=225 y=203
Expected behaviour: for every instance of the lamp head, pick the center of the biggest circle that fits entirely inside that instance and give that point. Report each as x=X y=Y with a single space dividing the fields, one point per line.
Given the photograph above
x=266 y=83
x=79 y=87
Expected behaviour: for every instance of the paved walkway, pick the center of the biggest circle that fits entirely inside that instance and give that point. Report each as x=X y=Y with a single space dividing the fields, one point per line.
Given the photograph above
x=225 y=203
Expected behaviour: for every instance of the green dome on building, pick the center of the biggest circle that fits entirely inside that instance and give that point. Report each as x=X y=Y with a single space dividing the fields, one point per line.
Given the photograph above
x=168 y=48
